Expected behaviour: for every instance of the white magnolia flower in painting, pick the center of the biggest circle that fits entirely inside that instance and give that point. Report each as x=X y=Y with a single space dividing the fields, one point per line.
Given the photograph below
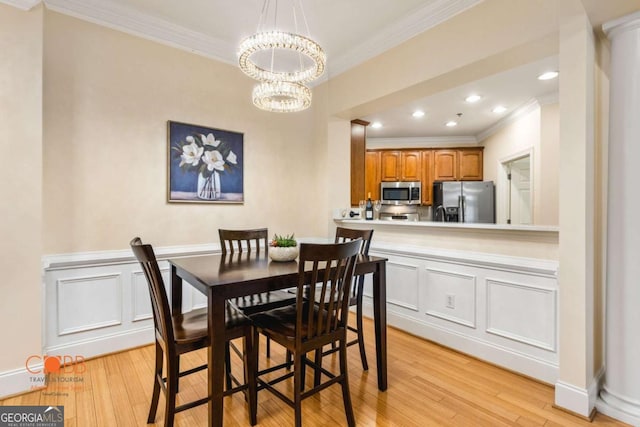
x=213 y=159
x=231 y=158
x=191 y=154
x=210 y=140
x=190 y=139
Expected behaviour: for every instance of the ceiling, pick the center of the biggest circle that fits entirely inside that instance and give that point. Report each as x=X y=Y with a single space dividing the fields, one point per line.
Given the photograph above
x=350 y=31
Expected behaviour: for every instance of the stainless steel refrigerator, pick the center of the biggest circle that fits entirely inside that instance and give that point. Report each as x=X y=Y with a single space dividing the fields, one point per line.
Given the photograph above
x=463 y=201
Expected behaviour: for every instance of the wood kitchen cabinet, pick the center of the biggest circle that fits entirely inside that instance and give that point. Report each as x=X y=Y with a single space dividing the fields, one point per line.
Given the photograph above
x=427 y=177
x=389 y=165
x=424 y=165
x=470 y=165
x=445 y=165
x=372 y=174
x=400 y=165
x=411 y=166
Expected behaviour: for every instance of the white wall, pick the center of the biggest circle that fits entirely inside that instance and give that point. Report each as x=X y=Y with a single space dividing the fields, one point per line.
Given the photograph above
x=105 y=143
x=20 y=185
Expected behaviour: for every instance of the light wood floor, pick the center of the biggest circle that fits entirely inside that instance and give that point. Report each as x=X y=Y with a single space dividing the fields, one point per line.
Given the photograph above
x=429 y=385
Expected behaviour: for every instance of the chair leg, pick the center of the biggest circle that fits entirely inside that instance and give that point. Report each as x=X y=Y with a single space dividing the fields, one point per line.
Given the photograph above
x=268 y=348
x=250 y=371
x=346 y=396
x=317 y=373
x=288 y=359
x=173 y=371
x=227 y=365
x=363 y=353
x=298 y=384
x=157 y=377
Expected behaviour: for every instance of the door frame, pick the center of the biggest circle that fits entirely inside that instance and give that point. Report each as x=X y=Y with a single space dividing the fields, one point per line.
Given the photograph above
x=503 y=185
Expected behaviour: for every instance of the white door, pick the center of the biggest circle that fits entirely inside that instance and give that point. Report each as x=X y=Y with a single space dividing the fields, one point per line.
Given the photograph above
x=520 y=190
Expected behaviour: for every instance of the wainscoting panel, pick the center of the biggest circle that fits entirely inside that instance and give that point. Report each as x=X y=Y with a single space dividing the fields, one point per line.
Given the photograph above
x=140 y=300
x=402 y=289
x=522 y=312
x=503 y=308
x=498 y=308
x=451 y=296
x=76 y=315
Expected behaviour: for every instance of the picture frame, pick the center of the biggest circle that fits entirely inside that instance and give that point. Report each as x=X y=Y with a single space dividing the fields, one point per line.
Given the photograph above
x=205 y=164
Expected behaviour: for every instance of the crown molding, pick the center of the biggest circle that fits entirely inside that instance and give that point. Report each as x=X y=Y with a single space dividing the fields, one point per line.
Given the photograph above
x=22 y=4
x=420 y=20
x=139 y=24
x=420 y=141
x=525 y=109
x=130 y=21
x=617 y=26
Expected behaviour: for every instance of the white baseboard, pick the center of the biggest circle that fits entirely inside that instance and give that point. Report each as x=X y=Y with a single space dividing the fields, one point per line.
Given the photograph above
x=105 y=344
x=574 y=399
x=16 y=381
x=619 y=408
x=19 y=380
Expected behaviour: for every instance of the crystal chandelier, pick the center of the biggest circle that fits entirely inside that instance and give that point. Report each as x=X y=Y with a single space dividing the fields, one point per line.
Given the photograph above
x=282 y=61
x=281 y=97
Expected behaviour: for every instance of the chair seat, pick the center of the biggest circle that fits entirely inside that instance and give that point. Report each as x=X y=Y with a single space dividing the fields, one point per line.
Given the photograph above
x=263 y=302
x=193 y=326
x=282 y=321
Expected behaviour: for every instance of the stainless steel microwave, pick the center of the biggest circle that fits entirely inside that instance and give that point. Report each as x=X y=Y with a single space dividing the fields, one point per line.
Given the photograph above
x=401 y=193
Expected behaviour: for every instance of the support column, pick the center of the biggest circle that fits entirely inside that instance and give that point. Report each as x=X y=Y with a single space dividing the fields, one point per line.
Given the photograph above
x=620 y=396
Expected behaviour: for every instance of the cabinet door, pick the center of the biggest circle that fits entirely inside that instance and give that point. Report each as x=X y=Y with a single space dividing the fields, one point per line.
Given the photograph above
x=390 y=165
x=427 y=177
x=470 y=165
x=372 y=174
x=411 y=166
x=445 y=165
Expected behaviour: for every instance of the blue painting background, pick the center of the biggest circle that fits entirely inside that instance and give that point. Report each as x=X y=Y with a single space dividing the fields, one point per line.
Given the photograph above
x=231 y=181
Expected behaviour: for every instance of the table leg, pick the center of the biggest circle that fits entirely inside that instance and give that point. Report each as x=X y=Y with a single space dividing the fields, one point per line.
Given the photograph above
x=176 y=291
x=216 y=312
x=380 y=322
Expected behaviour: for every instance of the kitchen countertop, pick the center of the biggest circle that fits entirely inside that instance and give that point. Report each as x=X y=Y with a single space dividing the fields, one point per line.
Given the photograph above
x=453 y=225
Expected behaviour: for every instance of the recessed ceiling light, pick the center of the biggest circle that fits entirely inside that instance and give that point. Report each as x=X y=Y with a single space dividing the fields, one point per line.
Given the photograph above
x=418 y=113
x=376 y=125
x=473 y=98
x=451 y=124
x=548 y=75
x=499 y=109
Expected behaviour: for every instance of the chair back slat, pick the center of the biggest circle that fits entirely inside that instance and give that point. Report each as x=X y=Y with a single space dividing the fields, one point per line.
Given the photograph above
x=158 y=293
x=232 y=241
x=330 y=275
x=346 y=235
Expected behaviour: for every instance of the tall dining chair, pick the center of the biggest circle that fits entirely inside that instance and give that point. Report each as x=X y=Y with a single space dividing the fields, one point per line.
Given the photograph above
x=254 y=240
x=177 y=334
x=357 y=293
x=357 y=290
x=325 y=270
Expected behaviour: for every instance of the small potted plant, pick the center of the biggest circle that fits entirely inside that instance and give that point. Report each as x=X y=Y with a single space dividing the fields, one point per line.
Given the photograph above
x=283 y=248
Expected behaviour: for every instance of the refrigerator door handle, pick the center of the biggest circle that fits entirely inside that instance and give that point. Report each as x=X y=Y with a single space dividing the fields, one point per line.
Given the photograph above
x=461 y=207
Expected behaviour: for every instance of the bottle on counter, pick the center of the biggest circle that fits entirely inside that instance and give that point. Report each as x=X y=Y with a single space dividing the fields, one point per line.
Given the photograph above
x=368 y=210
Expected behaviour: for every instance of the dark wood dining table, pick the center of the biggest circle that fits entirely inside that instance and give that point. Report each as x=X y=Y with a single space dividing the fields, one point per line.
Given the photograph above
x=221 y=278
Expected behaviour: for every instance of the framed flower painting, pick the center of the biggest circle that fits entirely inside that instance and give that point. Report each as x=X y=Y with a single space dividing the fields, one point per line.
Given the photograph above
x=205 y=164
